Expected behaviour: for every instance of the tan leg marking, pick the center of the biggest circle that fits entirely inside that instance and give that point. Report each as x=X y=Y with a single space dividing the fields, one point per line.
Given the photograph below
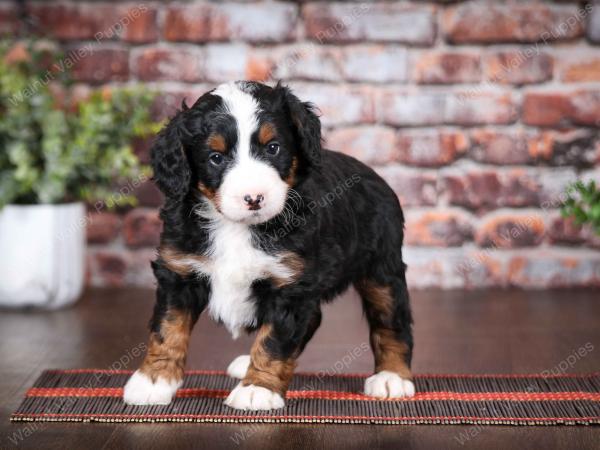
x=265 y=371
x=167 y=350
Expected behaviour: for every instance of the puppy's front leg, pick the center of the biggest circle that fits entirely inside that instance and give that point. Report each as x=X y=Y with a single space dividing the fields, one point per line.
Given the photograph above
x=273 y=359
x=161 y=374
x=267 y=378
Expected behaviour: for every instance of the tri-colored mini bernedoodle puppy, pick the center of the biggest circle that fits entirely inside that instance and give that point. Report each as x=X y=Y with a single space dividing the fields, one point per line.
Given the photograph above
x=262 y=225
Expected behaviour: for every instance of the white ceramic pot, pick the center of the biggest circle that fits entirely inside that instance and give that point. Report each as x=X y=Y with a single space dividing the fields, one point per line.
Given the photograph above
x=42 y=255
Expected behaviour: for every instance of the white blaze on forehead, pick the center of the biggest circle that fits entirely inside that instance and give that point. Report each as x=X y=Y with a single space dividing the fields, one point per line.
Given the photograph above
x=248 y=175
x=244 y=108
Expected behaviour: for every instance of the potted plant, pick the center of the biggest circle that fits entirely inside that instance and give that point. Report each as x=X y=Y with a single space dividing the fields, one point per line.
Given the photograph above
x=53 y=159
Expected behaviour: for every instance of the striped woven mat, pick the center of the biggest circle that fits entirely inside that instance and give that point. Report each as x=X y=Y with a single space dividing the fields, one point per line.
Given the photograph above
x=95 y=396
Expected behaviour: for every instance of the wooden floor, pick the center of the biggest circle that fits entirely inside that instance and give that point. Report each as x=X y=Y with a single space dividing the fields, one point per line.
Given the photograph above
x=455 y=332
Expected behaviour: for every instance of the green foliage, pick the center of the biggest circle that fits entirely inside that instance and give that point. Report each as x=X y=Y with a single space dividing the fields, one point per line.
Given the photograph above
x=51 y=154
x=583 y=204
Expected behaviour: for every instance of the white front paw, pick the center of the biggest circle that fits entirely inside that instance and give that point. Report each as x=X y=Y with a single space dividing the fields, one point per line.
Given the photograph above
x=386 y=384
x=239 y=367
x=254 y=398
x=140 y=390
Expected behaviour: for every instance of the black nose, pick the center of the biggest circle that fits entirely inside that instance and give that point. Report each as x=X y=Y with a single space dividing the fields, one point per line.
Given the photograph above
x=253 y=203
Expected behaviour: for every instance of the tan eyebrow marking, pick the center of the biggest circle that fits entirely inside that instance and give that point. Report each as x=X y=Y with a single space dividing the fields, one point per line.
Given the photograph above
x=266 y=133
x=216 y=142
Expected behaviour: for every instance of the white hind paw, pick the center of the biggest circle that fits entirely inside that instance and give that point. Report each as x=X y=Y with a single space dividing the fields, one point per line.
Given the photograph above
x=386 y=384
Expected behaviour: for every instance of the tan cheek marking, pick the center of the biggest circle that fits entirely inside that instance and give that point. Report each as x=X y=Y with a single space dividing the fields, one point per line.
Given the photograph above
x=295 y=265
x=210 y=194
x=264 y=370
x=167 y=350
x=216 y=142
x=180 y=263
x=291 y=178
x=266 y=133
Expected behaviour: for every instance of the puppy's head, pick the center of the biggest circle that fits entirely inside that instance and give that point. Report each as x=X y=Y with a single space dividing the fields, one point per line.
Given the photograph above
x=241 y=146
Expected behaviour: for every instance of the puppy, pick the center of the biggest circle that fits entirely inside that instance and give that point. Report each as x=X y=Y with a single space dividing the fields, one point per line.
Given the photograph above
x=261 y=226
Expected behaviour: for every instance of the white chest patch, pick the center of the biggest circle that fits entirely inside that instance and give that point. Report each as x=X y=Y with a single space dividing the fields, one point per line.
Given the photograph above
x=234 y=264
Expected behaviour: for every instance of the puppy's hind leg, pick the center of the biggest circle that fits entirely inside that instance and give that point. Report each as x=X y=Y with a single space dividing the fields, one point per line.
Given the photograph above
x=386 y=304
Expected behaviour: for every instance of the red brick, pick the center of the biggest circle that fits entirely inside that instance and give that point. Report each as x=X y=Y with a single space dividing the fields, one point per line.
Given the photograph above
x=253 y=22
x=546 y=108
x=573 y=147
x=577 y=148
x=499 y=147
x=474 y=22
x=431 y=148
x=192 y=23
x=548 y=269
x=518 y=67
x=148 y=195
x=8 y=19
x=381 y=22
x=98 y=65
x=446 y=67
x=142 y=26
x=109 y=268
x=413 y=187
x=339 y=104
x=71 y=21
x=167 y=64
x=511 y=230
x=134 y=22
x=584 y=67
x=142 y=228
x=372 y=145
x=562 y=108
x=437 y=228
x=564 y=231
x=102 y=228
x=407 y=108
x=489 y=189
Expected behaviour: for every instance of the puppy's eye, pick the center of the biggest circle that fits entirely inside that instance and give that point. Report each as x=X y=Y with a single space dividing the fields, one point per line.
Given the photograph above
x=273 y=148
x=216 y=158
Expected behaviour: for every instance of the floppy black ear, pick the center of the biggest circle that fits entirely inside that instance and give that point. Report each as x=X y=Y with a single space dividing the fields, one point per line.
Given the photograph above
x=172 y=172
x=307 y=124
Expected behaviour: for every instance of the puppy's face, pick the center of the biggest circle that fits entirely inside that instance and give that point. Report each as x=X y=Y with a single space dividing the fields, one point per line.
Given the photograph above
x=241 y=147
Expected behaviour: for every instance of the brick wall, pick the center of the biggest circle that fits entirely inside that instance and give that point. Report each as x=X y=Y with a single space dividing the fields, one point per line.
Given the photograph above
x=477 y=113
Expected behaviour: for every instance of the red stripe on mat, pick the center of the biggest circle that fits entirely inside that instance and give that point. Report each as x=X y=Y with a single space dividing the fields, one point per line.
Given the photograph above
x=335 y=395
x=298 y=417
